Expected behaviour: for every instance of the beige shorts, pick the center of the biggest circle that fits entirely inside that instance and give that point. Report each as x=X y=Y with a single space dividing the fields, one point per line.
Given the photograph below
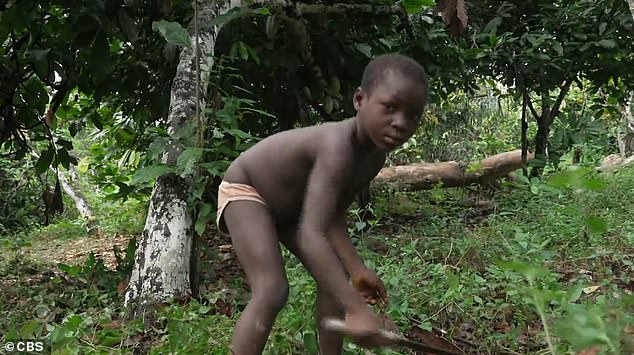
x=227 y=192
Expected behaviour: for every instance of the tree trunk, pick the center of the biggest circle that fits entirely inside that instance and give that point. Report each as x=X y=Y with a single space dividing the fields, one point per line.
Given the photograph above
x=74 y=192
x=162 y=261
x=541 y=140
x=550 y=110
x=450 y=174
x=626 y=138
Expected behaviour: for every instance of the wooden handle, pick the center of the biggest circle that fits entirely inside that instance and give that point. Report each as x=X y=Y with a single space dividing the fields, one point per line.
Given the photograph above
x=340 y=326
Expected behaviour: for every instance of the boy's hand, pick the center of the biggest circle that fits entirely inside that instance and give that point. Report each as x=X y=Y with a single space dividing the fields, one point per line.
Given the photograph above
x=364 y=329
x=368 y=283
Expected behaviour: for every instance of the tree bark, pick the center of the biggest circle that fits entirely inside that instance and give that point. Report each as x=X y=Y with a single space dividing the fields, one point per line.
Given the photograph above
x=544 y=121
x=74 y=192
x=626 y=138
x=450 y=174
x=162 y=260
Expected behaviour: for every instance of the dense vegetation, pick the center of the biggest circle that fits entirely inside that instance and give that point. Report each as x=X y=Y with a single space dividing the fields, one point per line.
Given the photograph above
x=487 y=276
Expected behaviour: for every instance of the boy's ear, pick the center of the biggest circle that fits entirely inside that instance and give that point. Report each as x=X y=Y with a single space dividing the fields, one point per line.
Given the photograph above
x=359 y=95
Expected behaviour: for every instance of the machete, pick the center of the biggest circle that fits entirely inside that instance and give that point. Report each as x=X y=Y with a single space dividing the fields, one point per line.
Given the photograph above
x=393 y=339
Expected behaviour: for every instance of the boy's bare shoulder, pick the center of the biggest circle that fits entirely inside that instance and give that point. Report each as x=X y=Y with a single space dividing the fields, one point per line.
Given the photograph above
x=295 y=150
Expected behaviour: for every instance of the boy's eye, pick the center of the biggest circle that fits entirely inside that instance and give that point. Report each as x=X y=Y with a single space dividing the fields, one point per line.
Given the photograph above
x=390 y=107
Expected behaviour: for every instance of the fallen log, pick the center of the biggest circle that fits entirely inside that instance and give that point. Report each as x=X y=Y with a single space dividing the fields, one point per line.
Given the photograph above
x=424 y=176
x=613 y=162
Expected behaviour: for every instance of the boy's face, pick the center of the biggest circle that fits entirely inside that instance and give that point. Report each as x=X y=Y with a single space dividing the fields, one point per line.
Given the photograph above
x=391 y=114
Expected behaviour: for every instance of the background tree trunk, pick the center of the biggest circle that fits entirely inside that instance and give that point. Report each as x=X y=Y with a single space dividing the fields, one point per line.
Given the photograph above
x=541 y=139
x=162 y=260
x=626 y=138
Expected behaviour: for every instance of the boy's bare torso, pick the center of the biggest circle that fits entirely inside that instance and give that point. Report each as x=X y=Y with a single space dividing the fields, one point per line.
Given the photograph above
x=279 y=166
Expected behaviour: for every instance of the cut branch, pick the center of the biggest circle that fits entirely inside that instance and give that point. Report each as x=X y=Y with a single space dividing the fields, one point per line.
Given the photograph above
x=450 y=174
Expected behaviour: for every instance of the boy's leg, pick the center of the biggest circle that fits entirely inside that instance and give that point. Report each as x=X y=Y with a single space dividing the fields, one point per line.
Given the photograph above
x=330 y=343
x=255 y=241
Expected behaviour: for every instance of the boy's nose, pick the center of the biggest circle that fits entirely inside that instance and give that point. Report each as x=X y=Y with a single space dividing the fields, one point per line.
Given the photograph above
x=399 y=123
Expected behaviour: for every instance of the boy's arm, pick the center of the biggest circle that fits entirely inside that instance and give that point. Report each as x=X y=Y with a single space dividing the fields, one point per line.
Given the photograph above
x=341 y=243
x=319 y=212
x=366 y=281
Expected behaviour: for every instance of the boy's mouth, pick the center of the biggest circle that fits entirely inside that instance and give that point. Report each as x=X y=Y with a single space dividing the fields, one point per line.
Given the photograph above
x=391 y=143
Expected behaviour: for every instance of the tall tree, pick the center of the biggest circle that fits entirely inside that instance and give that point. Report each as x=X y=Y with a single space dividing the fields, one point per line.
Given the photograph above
x=542 y=48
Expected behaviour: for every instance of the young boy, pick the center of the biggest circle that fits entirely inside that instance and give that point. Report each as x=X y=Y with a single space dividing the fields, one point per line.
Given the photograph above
x=295 y=187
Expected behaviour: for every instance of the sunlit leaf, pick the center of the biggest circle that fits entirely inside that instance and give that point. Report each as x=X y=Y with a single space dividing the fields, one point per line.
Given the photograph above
x=173 y=33
x=148 y=173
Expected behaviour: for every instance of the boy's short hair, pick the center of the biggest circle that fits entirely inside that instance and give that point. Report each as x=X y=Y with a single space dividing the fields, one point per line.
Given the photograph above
x=375 y=71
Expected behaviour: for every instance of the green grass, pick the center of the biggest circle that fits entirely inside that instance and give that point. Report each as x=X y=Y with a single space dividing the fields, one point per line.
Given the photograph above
x=546 y=268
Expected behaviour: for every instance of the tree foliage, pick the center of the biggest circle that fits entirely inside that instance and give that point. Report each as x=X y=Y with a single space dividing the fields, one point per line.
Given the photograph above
x=542 y=47
x=105 y=49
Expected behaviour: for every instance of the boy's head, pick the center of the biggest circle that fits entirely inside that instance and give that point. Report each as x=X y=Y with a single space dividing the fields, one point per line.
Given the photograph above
x=391 y=99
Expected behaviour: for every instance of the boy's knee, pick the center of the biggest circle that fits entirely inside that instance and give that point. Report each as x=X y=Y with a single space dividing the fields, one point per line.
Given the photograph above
x=273 y=293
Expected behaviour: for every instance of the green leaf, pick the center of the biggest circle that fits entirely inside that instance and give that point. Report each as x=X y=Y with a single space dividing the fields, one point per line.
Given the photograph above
x=30 y=329
x=73 y=323
x=243 y=51
x=148 y=173
x=200 y=225
x=530 y=272
x=602 y=27
x=558 y=48
x=596 y=224
x=364 y=48
x=44 y=161
x=99 y=60
x=173 y=33
x=416 y=6
x=492 y=25
x=95 y=118
x=216 y=168
x=328 y=104
x=65 y=158
x=188 y=158
x=205 y=209
x=310 y=342
x=606 y=43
